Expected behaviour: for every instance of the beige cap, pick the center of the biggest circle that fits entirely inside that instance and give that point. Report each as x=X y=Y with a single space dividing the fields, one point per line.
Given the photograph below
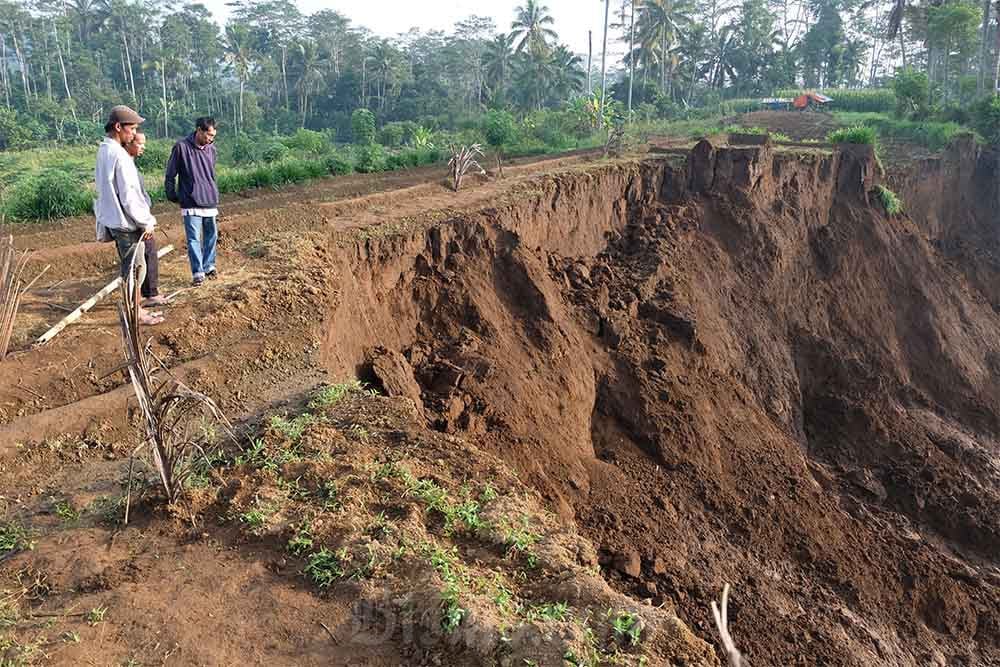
x=124 y=115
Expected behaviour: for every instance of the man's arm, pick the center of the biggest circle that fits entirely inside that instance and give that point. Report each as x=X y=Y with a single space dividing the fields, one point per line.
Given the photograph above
x=170 y=178
x=131 y=196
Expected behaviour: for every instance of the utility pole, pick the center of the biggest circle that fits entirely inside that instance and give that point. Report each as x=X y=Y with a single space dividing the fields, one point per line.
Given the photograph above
x=604 y=59
x=631 y=61
x=590 y=58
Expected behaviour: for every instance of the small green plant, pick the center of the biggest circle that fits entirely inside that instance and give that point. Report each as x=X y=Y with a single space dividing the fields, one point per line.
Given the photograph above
x=64 y=510
x=256 y=517
x=96 y=615
x=858 y=134
x=421 y=138
x=488 y=495
x=548 y=611
x=334 y=393
x=627 y=627
x=519 y=540
x=293 y=488
x=325 y=566
x=445 y=561
x=71 y=637
x=890 y=202
x=292 y=429
x=302 y=541
x=15 y=537
x=380 y=525
x=328 y=495
x=468 y=513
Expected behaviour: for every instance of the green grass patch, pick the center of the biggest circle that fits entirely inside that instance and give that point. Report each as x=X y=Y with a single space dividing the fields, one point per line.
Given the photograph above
x=889 y=200
x=858 y=134
x=15 y=537
x=326 y=566
x=332 y=394
x=933 y=135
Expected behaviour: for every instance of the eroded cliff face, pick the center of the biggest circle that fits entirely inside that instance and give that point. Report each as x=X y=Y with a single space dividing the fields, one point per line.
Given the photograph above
x=731 y=367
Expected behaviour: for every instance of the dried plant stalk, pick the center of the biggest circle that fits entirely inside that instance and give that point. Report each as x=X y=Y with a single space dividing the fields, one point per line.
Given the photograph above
x=174 y=414
x=722 y=625
x=12 y=288
x=463 y=159
x=615 y=143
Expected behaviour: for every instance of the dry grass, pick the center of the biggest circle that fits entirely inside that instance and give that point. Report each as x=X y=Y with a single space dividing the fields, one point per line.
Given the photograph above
x=12 y=288
x=463 y=159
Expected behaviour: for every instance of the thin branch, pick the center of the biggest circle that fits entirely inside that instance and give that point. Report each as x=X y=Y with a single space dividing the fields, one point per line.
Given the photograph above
x=722 y=625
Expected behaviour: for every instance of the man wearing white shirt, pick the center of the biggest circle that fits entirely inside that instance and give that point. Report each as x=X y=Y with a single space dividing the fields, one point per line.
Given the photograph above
x=190 y=182
x=121 y=208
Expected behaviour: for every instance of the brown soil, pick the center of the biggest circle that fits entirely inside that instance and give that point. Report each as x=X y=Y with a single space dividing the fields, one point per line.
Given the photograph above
x=722 y=367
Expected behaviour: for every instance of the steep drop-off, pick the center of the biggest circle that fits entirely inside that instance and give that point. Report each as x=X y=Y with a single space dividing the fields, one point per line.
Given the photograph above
x=725 y=367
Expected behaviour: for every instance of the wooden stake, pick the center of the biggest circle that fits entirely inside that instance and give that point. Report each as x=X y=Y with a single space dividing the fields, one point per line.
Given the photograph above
x=88 y=304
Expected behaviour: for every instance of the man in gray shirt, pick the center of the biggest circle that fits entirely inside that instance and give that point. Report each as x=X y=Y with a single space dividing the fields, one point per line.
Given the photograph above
x=122 y=208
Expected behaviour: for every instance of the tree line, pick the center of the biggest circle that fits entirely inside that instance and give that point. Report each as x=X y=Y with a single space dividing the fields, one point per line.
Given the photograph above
x=272 y=68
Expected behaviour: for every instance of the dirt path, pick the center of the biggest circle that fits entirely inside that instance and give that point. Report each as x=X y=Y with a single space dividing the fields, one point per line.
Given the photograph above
x=70 y=384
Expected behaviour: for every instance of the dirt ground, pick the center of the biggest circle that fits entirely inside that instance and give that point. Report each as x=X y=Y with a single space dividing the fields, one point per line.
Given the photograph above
x=719 y=365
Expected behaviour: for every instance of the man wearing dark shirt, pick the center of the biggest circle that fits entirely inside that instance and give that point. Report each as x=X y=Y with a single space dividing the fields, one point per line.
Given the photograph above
x=190 y=182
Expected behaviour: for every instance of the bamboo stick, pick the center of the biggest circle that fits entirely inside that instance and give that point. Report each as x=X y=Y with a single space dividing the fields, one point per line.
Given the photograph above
x=88 y=304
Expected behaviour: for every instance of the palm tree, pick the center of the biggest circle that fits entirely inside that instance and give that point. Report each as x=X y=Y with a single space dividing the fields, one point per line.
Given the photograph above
x=533 y=74
x=659 y=24
x=497 y=60
x=311 y=78
x=239 y=54
x=567 y=72
x=89 y=15
x=531 y=27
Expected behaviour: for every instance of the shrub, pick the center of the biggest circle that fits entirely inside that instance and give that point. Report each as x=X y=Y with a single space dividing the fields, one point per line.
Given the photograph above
x=890 y=202
x=47 y=195
x=14 y=133
x=500 y=129
x=363 y=127
x=339 y=164
x=986 y=118
x=274 y=151
x=155 y=156
x=421 y=138
x=859 y=134
x=235 y=180
x=371 y=159
x=396 y=161
x=911 y=87
x=308 y=141
x=244 y=150
x=392 y=135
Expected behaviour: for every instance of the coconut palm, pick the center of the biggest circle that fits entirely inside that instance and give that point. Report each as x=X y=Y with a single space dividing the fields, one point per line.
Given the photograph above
x=567 y=72
x=311 y=78
x=497 y=60
x=659 y=23
x=530 y=27
x=240 y=56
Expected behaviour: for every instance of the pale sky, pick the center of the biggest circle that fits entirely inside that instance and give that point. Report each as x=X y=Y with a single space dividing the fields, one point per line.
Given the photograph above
x=388 y=18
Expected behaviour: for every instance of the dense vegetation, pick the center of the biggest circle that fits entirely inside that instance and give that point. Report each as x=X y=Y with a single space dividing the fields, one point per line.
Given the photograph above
x=298 y=95
x=272 y=68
